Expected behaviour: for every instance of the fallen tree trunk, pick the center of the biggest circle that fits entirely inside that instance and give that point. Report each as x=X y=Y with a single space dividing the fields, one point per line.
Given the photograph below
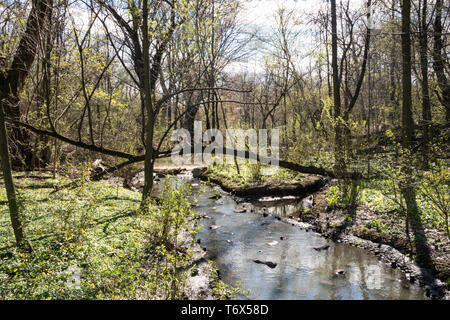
x=132 y=159
x=247 y=155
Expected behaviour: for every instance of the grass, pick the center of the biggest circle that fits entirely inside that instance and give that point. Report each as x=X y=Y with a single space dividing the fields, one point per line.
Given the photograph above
x=93 y=230
x=89 y=242
x=380 y=196
x=93 y=241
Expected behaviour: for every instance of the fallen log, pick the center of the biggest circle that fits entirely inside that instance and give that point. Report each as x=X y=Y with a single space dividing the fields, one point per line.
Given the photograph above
x=131 y=159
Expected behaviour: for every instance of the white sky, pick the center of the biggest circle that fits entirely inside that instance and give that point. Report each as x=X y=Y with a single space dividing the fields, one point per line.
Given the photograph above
x=260 y=15
x=260 y=12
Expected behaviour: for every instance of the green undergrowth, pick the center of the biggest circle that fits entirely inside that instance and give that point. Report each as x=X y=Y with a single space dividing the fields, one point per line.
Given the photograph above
x=383 y=195
x=92 y=241
x=88 y=242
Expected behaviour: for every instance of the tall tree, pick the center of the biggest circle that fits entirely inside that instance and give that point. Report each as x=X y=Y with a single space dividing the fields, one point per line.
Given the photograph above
x=149 y=96
x=138 y=33
x=13 y=79
x=9 y=183
x=426 y=107
x=440 y=58
x=407 y=115
x=339 y=157
x=12 y=82
x=342 y=112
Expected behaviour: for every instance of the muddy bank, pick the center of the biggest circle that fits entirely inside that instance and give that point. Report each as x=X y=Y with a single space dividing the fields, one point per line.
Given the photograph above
x=199 y=284
x=307 y=186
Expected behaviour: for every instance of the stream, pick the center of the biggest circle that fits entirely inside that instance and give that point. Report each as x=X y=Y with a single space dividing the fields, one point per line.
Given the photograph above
x=235 y=235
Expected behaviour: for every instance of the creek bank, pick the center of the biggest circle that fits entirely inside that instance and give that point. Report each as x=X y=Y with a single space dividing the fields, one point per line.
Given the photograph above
x=307 y=186
x=199 y=283
x=204 y=276
x=390 y=244
x=333 y=224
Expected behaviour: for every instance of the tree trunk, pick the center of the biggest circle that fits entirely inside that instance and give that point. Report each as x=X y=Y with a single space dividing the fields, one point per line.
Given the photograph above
x=9 y=185
x=148 y=95
x=407 y=117
x=339 y=153
x=407 y=185
x=440 y=60
x=13 y=80
x=426 y=108
x=392 y=72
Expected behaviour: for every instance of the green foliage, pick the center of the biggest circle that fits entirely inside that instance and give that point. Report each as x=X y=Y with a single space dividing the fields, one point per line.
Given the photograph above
x=172 y=235
x=344 y=195
x=255 y=172
x=377 y=225
x=93 y=229
x=287 y=176
x=251 y=174
x=380 y=196
x=396 y=175
x=223 y=291
x=434 y=195
x=334 y=196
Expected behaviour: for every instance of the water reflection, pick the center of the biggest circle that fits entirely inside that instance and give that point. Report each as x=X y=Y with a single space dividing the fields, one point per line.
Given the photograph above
x=301 y=271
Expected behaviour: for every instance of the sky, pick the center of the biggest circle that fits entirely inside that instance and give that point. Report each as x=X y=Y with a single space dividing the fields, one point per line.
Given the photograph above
x=260 y=12
x=259 y=15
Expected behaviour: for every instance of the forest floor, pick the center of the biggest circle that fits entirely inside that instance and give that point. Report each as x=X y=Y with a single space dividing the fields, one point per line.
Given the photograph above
x=93 y=231
x=380 y=232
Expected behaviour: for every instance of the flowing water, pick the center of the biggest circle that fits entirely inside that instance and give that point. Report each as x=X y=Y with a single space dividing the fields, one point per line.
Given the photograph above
x=233 y=240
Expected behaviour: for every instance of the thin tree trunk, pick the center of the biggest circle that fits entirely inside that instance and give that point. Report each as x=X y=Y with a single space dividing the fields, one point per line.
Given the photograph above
x=426 y=108
x=440 y=59
x=148 y=163
x=393 y=84
x=407 y=117
x=407 y=185
x=339 y=145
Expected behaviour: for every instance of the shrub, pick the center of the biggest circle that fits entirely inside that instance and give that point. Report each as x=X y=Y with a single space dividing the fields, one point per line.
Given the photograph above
x=377 y=225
